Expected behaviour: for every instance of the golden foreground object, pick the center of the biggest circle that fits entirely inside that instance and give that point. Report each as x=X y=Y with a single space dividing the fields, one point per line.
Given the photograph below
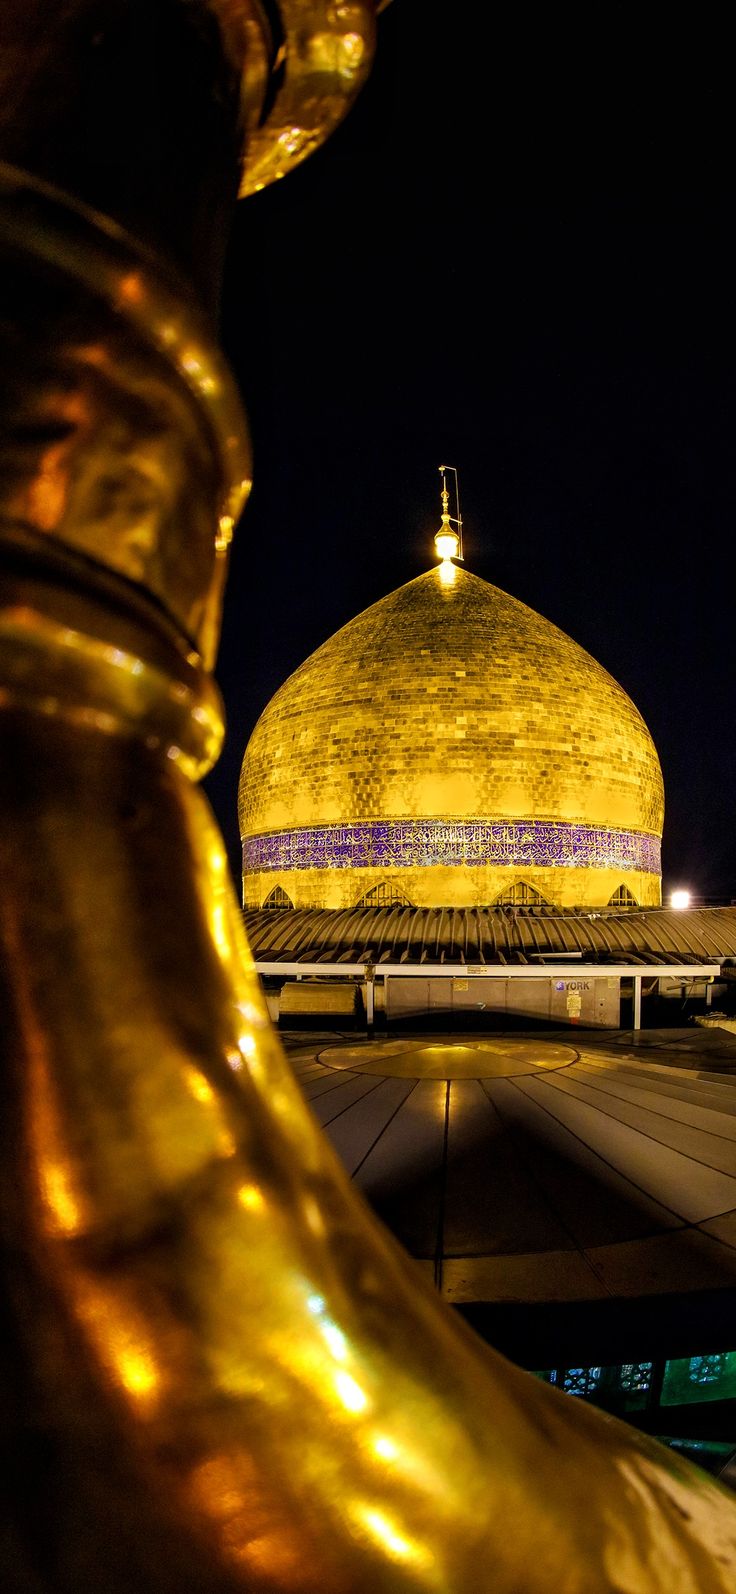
x=122 y=435
x=224 y=1362
x=219 y=1374
x=158 y=112
x=321 y=63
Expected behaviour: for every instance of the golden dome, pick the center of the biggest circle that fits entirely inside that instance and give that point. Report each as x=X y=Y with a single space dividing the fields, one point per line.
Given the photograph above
x=450 y=746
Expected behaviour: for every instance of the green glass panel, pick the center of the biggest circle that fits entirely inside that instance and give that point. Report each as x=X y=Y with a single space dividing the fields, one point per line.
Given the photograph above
x=692 y=1379
x=620 y=1388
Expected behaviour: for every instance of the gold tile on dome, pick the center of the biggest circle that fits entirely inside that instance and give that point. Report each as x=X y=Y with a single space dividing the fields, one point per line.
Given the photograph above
x=468 y=1059
x=451 y=706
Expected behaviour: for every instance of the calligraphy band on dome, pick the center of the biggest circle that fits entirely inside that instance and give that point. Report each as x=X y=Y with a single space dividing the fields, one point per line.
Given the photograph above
x=430 y=842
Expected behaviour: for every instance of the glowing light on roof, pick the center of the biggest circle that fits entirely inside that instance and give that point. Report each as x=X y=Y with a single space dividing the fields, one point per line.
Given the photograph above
x=447 y=544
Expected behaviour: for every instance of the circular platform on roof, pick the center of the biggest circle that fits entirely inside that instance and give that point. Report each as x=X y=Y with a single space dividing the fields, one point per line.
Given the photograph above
x=445 y=1059
x=609 y=1174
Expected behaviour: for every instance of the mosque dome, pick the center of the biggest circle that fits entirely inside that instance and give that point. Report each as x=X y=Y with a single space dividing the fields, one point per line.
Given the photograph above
x=449 y=746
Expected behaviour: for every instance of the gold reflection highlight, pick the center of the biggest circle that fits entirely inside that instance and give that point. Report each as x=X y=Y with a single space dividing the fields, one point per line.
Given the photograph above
x=219 y=922
x=198 y=1086
x=385 y=1531
x=227 y=1489
x=325 y=58
x=349 y=1393
x=132 y=288
x=335 y=1341
x=57 y=1189
x=202 y=1092
x=63 y=1204
x=251 y=1198
x=122 y=1341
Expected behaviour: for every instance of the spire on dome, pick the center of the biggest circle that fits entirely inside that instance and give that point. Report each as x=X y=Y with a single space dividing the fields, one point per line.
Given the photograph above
x=448 y=542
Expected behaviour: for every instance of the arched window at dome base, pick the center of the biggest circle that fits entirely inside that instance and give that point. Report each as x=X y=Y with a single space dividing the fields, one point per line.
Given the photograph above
x=520 y=894
x=623 y=898
x=278 y=898
x=384 y=895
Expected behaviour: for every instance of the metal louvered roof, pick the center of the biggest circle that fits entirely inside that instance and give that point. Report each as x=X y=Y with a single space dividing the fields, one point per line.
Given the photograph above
x=490 y=936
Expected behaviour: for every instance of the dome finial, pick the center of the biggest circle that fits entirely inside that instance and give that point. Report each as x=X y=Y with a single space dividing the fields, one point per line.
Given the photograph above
x=449 y=543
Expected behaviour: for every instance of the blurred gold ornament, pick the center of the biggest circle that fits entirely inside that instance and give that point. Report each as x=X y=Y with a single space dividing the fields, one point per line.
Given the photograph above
x=319 y=64
x=220 y=1374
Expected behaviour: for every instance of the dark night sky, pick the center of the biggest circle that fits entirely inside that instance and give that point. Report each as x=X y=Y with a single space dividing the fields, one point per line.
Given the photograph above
x=517 y=255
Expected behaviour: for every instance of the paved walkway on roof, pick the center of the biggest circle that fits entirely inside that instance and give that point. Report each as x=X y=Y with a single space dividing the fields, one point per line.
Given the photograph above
x=553 y=1168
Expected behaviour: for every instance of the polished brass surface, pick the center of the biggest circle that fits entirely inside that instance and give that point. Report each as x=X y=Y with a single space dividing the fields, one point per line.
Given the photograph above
x=230 y=1333
x=176 y=105
x=122 y=435
x=135 y=108
x=322 y=62
x=219 y=1374
x=90 y=653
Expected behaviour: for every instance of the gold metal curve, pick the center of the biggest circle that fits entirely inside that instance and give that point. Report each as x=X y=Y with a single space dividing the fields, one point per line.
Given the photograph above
x=149 y=440
x=290 y=1394
x=86 y=651
x=322 y=62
